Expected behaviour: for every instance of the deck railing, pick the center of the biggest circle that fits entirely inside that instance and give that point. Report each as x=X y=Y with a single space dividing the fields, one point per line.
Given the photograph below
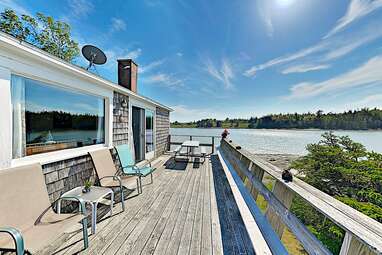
x=363 y=234
x=206 y=141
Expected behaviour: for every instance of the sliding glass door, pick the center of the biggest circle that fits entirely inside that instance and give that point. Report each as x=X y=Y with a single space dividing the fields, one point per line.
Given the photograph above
x=149 y=134
x=143 y=133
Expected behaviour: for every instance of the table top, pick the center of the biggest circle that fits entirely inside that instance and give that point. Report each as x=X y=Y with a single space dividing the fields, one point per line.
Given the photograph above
x=190 y=144
x=93 y=195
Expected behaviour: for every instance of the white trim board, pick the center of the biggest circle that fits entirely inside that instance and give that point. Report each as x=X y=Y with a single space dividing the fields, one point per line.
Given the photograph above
x=55 y=156
x=259 y=244
x=21 y=50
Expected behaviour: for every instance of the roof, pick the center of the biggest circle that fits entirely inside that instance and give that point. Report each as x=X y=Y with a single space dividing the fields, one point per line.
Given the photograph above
x=76 y=70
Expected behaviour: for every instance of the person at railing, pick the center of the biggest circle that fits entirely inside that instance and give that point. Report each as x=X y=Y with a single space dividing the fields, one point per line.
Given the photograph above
x=225 y=134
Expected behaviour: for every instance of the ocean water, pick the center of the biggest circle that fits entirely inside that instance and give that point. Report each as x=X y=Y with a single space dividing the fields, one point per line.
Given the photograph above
x=281 y=140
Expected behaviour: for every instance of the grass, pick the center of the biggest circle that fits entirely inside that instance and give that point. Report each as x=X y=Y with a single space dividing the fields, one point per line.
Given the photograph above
x=290 y=242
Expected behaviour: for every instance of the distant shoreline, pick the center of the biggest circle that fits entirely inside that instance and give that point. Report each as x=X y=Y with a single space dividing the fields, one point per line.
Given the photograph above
x=296 y=129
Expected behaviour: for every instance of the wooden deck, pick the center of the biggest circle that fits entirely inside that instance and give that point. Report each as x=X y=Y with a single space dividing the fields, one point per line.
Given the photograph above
x=178 y=214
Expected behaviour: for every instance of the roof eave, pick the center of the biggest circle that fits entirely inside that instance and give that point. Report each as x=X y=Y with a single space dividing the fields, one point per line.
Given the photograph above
x=76 y=70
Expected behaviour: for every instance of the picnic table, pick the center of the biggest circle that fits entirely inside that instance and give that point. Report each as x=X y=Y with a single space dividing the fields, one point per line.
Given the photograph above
x=190 y=145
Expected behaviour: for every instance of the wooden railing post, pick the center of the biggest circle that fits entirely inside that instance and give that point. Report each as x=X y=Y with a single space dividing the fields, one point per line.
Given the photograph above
x=258 y=174
x=169 y=143
x=285 y=196
x=213 y=144
x=351 y=246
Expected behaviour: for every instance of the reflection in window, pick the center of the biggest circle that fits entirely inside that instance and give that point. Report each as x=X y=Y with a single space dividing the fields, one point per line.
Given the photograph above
x=149 y=130
x=47 y=118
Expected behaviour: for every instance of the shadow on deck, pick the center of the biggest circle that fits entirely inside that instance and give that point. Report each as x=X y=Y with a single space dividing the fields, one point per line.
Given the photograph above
x=179 y=213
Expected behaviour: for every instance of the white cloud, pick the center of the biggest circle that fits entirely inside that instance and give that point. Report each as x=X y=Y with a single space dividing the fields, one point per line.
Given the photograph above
x=133 y=54
x=366 y=74
x=179 y=54
x=120 y=53
x=268 y=25
x=117 y=25
x=80 y=8
x=264 y=10
x=14 y=5
x=225 y=74
x=149 y=67
x=370 y=101
x=347 y=45
x=356 y=10
x=184 y=113
x=326 y=50
x=285 y=59
x=166 y=80
x=304 y=68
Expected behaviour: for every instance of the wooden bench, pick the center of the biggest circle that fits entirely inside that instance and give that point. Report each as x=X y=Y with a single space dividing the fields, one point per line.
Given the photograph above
x=27 y=219
x=179 y=151
x=203 y=153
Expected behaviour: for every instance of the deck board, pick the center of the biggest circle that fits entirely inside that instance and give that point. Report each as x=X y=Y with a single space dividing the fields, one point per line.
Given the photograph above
x=180 y=213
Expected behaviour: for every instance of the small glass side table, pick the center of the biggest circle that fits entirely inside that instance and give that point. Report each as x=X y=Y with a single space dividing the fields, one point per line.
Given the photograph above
x=93 y=197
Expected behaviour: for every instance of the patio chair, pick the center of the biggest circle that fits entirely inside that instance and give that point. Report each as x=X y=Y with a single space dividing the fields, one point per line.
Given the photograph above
x=130 y=168
x=108 y=175
x=27 y=220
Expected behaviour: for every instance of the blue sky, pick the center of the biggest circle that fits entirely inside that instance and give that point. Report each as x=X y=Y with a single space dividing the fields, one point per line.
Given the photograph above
x=243 y=58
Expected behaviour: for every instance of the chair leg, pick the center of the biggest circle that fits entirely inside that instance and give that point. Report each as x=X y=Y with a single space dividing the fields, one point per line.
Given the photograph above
x=152 y=180
x=140 y=184
x=122 y=199
x=85 y=232
x=138 y=187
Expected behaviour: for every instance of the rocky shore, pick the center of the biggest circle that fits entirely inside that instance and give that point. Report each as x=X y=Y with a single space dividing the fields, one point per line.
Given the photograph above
x=280 y=160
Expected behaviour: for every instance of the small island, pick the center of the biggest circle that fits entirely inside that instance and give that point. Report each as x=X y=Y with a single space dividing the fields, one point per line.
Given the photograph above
x=364 y=119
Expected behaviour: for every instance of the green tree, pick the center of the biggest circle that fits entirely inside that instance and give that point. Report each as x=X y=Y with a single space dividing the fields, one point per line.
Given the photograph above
x=345 y=170
x=43 y=32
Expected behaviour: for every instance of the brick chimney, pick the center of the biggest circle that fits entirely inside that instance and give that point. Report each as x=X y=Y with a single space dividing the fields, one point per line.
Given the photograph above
x=128 y=74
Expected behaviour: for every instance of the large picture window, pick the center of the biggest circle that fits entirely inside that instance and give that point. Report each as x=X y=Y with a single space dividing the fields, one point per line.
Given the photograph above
x=49 y=118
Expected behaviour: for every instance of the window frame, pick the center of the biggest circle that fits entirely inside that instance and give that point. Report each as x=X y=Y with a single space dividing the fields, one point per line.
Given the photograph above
x=79 y=87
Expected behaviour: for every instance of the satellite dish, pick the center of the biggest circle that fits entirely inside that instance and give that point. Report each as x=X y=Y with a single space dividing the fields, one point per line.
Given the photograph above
x=94 y=55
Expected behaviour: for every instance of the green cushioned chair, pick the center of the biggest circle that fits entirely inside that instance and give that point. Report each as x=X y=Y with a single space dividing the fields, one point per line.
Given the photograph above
x=129 y=167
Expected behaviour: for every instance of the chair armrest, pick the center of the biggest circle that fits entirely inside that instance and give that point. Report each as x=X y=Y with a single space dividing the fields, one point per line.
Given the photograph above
x=80 y=201
x=134 y=167
x=17 y=238
x=115 y=177
x=148 y=162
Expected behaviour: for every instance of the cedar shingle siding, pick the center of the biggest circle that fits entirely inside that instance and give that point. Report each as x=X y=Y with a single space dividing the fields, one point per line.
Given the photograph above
x=162 y=130
x=120 y=119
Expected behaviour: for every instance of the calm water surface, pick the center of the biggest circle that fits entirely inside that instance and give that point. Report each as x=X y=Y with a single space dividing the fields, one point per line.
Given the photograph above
x=282 y=141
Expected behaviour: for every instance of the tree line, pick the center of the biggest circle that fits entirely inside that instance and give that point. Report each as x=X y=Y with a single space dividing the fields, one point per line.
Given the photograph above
x=355 y=120
x=50 y=120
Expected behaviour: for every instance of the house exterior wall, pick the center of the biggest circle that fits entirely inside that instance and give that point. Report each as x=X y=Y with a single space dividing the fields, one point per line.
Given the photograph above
x=162 y=123
x=120 y=119
x=64 y=169
x=62 y=176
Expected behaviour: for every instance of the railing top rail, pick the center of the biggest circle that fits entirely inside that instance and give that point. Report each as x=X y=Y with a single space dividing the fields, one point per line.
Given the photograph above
x=364 y=228
x=216 y=136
